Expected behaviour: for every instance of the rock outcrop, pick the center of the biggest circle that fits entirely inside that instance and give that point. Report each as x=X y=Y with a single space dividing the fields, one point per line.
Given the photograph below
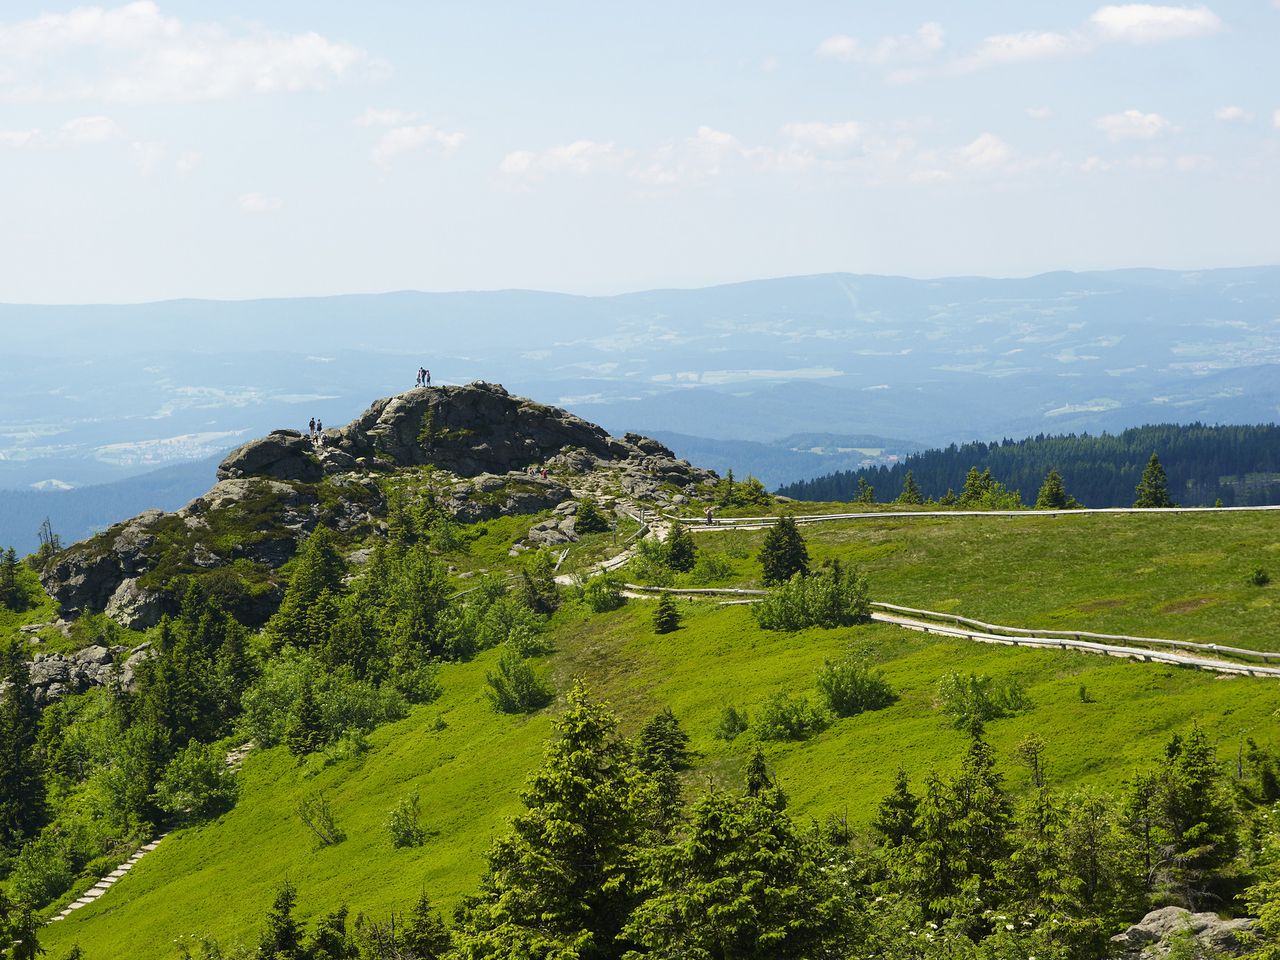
x=1158 y=931
x=56 y=675
x=503 y=454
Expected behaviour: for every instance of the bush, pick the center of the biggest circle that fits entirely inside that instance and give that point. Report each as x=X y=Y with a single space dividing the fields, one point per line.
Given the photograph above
x=833 y=598
x=404 y=823
x=712 y=567
x=317 y=816
x=973 y=700
x=1260 y=577
x=732 y=724
x=44 y=868
x=527 y=642
x=602 y=594
x=417 y=682
x=783 y=717
x=650 y=563
x=681 y=554
x=197 y=783
x=515 y=688
x=850 y=686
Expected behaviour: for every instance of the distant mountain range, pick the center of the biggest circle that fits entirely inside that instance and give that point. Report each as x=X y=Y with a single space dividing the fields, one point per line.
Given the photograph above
x=99 y=393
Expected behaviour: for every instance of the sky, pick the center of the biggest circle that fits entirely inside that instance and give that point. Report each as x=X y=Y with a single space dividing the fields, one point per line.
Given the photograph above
x=155 y=150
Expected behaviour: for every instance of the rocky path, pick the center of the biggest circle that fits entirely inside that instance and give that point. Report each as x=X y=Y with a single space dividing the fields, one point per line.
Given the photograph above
x=109 y=881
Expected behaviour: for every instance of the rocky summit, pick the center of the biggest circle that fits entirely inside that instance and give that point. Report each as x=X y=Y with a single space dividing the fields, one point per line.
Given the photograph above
x=488 y=453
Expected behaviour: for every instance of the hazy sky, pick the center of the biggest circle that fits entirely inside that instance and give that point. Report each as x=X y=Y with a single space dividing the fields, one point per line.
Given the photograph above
x=286 y=147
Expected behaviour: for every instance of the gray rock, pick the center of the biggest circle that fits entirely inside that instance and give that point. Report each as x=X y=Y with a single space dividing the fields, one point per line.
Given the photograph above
x=1152 y=937
x=278 y=455
x=133 y=607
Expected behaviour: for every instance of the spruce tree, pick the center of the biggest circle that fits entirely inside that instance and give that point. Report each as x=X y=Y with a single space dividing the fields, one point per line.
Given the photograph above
x=662 y=740
x=589 y=519
x=680 y=553
x=425 y=935
x=784 y=553
x=564 y=879
x=666 y=617
x=21 y=786
x=1153 y=488
x=11 y=592
x=866 y=492
x=1053 y=494
x=282 y=939
x=910 y=494
x=317 y=568
x=304 y=730
x=895 y=818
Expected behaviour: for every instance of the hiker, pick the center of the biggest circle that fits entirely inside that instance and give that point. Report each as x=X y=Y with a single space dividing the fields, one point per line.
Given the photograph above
x=312 y=430
x=708 y=514
x=426 y=378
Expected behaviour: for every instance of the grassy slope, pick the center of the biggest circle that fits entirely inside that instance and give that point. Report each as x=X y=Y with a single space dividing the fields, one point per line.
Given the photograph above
x=219 y=878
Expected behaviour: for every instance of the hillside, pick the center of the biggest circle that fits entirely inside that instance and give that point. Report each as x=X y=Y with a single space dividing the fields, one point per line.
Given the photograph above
x=396 y=568
x=1238 y=465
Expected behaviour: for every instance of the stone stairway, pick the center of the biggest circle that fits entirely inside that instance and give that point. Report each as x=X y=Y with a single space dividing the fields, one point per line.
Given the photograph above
x=109 y=881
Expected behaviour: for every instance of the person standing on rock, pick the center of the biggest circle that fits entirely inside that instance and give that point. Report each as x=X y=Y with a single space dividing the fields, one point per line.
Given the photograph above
x=313 y=427
x=426 y=381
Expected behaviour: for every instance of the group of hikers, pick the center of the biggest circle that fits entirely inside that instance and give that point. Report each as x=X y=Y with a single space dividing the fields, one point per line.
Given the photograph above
x=316 y=431
x=424 y=377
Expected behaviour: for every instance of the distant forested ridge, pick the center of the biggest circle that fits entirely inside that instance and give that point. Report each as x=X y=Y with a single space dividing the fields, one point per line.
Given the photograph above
x=1239 y=465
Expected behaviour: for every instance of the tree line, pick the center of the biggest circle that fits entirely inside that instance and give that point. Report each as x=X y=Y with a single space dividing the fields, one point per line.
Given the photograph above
x=1238 y=465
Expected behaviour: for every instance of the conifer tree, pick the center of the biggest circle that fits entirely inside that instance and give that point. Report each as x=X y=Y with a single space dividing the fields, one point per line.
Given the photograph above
x=666 y=617
x=680 y=552
x=282 y=939
x=589 y=519
x=910 y=491
x=744 y=884
x=725 y=492
x=304 y=731
x=11 y=592
x=662 y=740
x=895 y=818
x=1199 y=814
x=866 y=492
x=425 y=935
x=317 y=568
x=784 y=553
x=563 y=881
x=1053 y=494
x=1153 y=488
x=21 y=785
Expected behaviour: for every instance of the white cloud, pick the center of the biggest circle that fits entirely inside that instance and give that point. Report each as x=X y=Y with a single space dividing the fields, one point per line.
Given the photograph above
x=985 y=152
x=1039 y=113
x=824 y=134
x=1018 y=48
x=77 y=132
x=134 y=54
x=1233 y=114
x=580 y=157
x=259 y=203
x=926 y=42
x=186 y=163
x=373 y=117
x=400 y=140
x=146 y=154
x=1148 y=23
x=1133 y=125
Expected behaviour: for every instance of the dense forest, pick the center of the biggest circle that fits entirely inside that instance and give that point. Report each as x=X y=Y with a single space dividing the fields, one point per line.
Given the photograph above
x=1239 y=465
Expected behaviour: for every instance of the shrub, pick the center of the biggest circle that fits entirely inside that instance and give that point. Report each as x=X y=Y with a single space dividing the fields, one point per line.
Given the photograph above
x=850 y=686
x=515 y=688
x=970 y=701
x=527 y=642
x=732 y=724
x=417 y=682
x=833 y=598
x=404 y=823
x=783 y=717
x=712 y=567
x=681 y=554
x=650 y=563
x=197 y=783
x=666 y=617
x=43 y=869
x=1260 y=577
x=317 y=816
x=602 y=594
